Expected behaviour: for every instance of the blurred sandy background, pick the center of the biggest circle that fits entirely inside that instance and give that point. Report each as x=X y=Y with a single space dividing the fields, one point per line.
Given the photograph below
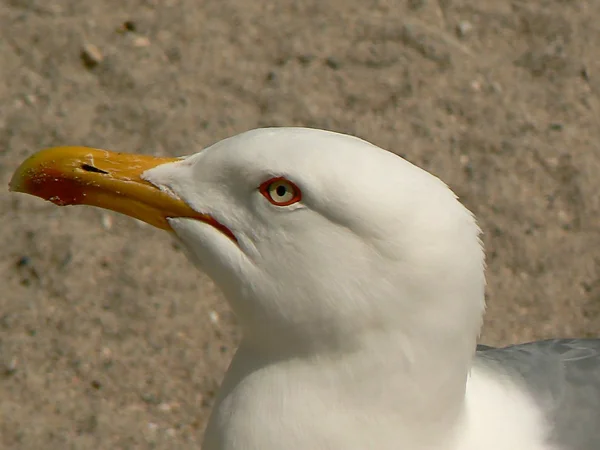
x=109 y=339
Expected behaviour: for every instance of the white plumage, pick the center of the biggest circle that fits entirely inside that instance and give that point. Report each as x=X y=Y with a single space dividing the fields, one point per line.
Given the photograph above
x=360 y=305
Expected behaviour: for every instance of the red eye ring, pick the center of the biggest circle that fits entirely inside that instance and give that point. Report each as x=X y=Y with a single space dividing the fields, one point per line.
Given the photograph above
x=280 y=191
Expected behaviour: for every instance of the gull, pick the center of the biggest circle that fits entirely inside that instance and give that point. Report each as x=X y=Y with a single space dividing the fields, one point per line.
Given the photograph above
x=358 y=281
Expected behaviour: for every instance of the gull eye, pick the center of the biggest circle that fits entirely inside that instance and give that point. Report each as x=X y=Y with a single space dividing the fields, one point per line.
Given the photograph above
x=280 y=192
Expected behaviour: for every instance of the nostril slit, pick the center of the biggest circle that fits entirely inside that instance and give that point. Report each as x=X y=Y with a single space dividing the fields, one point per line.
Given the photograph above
x=89 y=168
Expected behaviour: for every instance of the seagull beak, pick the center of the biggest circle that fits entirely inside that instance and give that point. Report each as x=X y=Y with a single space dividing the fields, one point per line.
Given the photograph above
x=110 y=180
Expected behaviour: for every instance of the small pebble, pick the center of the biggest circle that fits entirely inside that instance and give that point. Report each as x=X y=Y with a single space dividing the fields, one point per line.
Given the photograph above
x=91 y=56
x=563 y=217
x=463 y=28
x=11 y=367
x=141 y=41
x=129 y=25
x=476 y=85
x=106 y=354
x=164 y=407
x=30 y=99
x=213 y=317
x=552 y=162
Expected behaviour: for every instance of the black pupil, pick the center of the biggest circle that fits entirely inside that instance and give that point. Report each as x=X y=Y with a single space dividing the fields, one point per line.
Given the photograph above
x=281 y=190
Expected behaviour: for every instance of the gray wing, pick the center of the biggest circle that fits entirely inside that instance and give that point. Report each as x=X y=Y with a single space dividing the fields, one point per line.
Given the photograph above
x=563 y=375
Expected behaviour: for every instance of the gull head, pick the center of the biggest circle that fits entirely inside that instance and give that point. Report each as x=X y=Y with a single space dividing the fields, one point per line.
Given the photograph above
x=319 y=240
x=318 y=237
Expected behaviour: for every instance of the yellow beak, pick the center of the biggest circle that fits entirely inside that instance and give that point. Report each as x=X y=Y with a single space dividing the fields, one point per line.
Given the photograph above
x=87 y=176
